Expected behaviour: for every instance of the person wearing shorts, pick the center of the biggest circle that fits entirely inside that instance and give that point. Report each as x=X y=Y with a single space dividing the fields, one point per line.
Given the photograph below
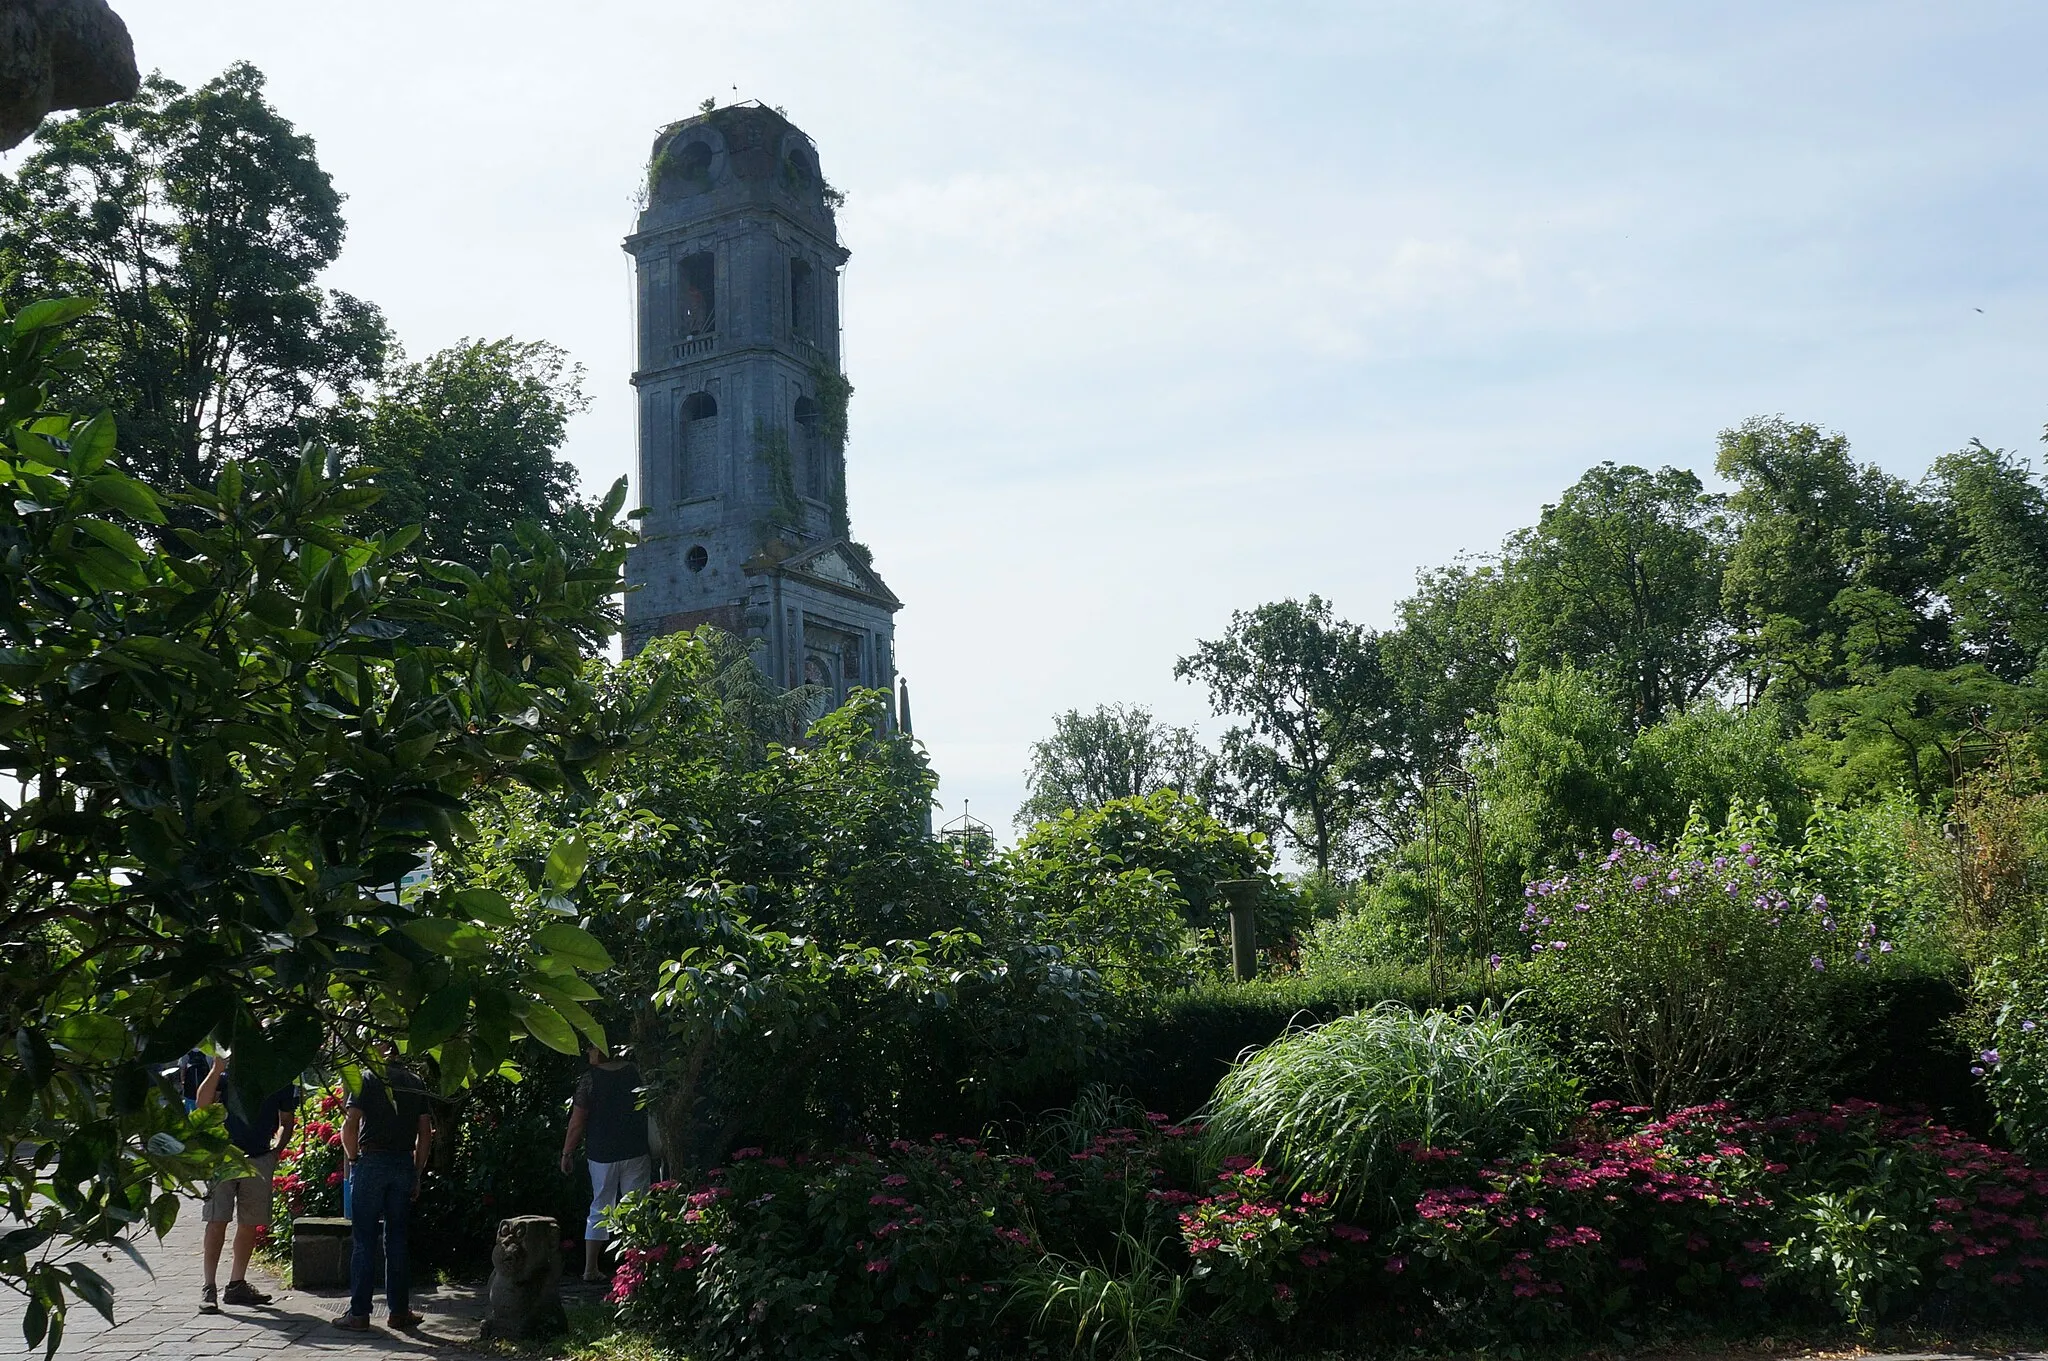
x=243 y=1201
x=606 y=1117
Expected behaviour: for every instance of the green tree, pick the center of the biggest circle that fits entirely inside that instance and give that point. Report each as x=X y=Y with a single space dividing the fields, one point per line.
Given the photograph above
x=1165 y=832
x=467 y=444
x=1321 y=734
x=201 y=223
x=1552 y=767
x=226 y=745
x=1622 y=577
x=1118 y=751
x=1829 y=555
x=1912 y=726
x=798 y=959
x=1455 y=645
x=1994 y=514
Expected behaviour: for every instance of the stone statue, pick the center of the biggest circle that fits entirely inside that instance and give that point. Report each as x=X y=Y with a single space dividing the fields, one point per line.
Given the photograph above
x=526 y=1269
x=60 y=54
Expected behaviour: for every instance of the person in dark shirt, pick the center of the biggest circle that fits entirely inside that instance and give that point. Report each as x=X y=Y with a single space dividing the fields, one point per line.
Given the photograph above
x=387 y=1137
x=606 y=1112
x=241 y=1200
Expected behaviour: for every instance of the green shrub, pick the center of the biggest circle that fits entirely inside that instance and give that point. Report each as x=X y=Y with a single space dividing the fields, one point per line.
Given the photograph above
x=1331 y=1107
x=1380 y=927
x=1872 y=861
x=1064 y=861
x=2012 y=1000
x=1176 y=1053
x=1703 y=974
x=902 y=1250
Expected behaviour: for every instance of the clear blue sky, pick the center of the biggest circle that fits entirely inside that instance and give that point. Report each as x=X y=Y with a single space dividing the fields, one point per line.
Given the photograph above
x=1161 y=310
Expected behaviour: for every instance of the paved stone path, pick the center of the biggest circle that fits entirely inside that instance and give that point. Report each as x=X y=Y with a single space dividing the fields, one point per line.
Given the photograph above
x=157 y=1316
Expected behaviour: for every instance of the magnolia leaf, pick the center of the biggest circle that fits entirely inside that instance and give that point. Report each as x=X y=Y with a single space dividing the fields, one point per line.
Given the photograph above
x=93 y=1038
x=124 y=493
x=485 y=905
x=191 y=1020
x=432 y=933
x=566 y=862
x=92 y=444
x=439 y=1017
x=575 y=945
x=545 y=1024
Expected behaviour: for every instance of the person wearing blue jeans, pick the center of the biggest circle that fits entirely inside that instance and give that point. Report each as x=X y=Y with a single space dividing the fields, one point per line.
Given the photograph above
x=387 y=1136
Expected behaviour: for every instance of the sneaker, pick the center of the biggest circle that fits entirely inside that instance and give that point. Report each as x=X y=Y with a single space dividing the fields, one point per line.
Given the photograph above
x=355 y=1323
x=209 y=1301
x=241 y=1292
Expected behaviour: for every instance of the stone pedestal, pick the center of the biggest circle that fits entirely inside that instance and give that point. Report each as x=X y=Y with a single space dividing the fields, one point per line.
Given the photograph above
x=320 y=1253
x=1243 y=897
x=526 y=1275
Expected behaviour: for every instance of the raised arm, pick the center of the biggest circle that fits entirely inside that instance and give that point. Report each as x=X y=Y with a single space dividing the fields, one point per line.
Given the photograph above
x=209 y=1086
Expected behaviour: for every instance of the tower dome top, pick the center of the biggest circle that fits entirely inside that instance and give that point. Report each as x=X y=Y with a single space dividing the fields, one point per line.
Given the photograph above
x=740 y=153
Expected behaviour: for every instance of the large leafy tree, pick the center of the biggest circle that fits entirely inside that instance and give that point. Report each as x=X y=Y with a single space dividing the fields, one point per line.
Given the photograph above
x=467 y=444
x=1455 y=645
x=1831 y=558
x=230 y=736
x=1320 y=733
x=201 y=222
x=1622 y=577
x=1994 y=513
x=1116 y=751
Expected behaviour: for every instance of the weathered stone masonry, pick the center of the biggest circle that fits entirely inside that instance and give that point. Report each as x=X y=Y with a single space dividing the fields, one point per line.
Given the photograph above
x=742 y=476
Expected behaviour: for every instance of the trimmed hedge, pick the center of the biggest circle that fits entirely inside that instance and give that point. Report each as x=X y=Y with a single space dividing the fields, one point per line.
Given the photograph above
x=1177 y=1054
x=1906 y=1049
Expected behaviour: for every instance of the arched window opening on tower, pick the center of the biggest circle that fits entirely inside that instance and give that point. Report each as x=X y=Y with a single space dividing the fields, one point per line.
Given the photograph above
x=697 y=293
x=810 y=448
x=697 y=473
x=803 y=301
x=796 y=171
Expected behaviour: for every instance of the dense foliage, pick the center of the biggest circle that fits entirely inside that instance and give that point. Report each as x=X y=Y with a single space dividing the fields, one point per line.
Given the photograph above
x=1334 y=1109
x=467 y=444
x=1702 y=1218
x=200 y=221
x=228 y=742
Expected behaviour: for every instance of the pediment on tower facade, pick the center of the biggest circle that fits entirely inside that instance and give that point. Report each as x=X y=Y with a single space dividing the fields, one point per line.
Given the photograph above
x=838 y=564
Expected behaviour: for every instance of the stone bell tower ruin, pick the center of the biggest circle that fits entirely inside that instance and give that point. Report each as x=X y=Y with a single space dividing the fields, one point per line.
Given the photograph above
x=742 y=455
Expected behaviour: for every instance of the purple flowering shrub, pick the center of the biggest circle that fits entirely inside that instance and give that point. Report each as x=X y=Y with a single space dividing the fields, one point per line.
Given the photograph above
x=2012 y=1005
x=1701 y=973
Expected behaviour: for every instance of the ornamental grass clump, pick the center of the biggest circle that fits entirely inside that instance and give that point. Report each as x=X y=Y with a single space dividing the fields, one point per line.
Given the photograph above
x=1338 y=1109
x=1699 y=974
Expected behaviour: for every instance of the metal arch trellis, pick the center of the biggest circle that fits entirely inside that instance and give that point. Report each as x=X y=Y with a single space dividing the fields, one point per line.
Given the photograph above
x=1447 y=832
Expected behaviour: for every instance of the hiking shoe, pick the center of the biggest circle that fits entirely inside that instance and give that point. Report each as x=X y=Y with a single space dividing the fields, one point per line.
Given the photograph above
x=405 y=1322
x=209 y=1301
x=355 y=1323
x=241 y=1292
